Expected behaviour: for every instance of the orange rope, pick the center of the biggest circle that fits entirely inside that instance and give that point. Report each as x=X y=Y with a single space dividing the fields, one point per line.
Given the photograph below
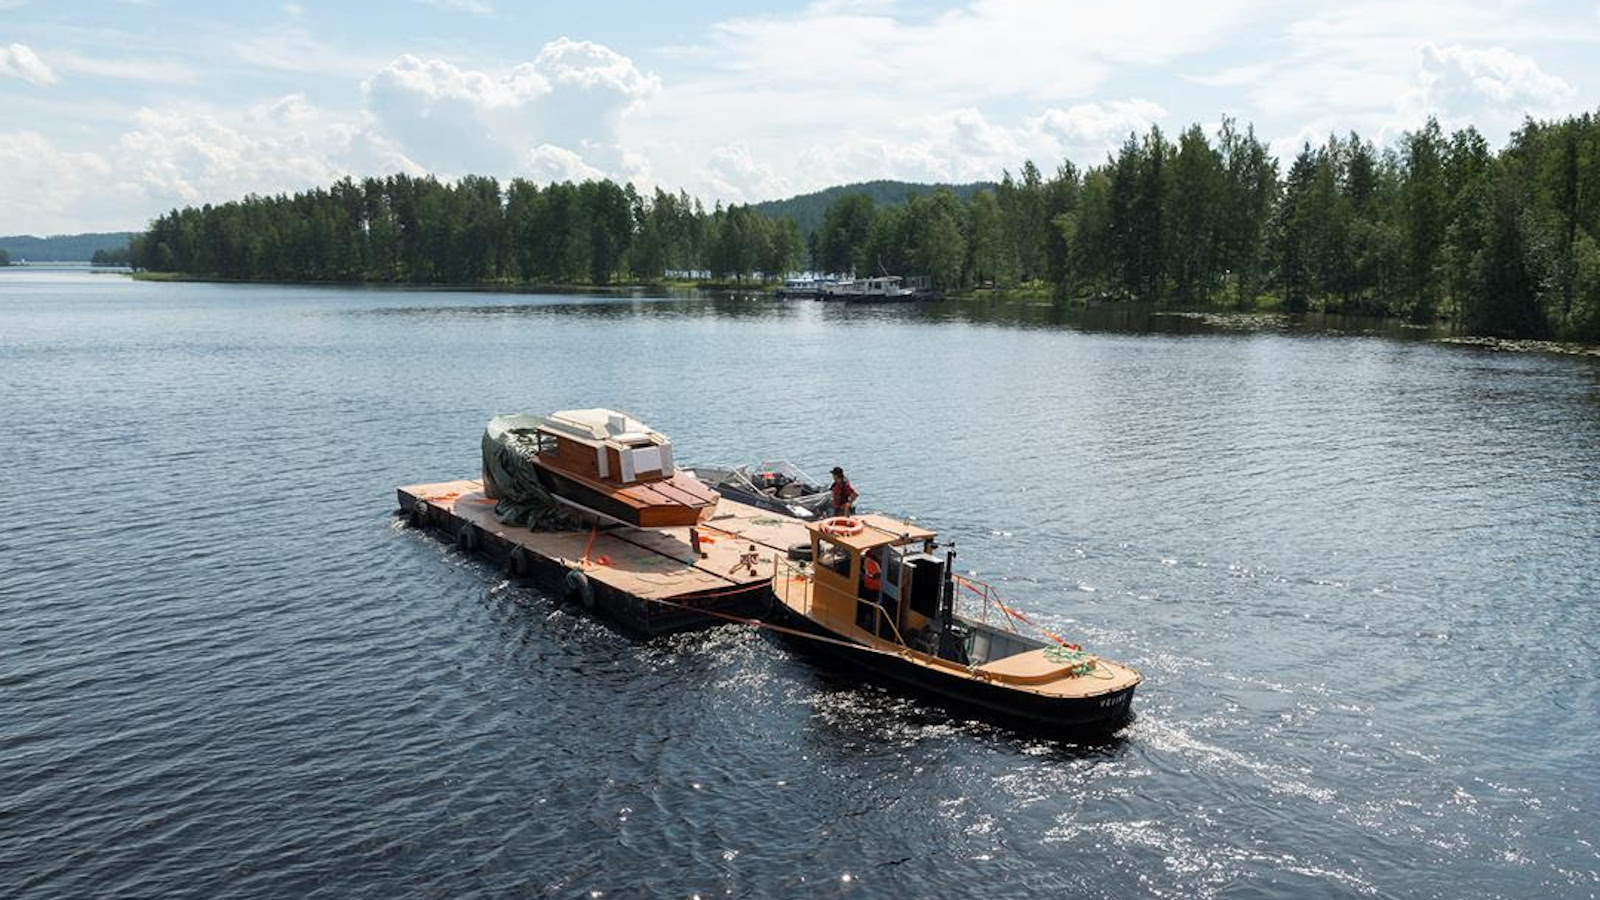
x=1015 y=614
x=584 y=561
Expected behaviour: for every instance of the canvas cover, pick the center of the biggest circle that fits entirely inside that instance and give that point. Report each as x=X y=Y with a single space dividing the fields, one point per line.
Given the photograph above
x=510 y=478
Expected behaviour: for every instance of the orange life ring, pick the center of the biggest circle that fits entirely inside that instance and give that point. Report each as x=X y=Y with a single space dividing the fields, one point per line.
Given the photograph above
x=842 y=526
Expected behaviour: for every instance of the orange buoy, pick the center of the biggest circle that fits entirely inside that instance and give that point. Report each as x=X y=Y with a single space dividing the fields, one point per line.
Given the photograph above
x=842 y=526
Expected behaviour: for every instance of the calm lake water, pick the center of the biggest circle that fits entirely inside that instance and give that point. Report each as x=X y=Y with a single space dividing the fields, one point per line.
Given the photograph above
x=1359 y=573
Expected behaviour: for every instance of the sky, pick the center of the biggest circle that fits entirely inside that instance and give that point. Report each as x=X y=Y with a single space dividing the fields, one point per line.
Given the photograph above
x=113 y=112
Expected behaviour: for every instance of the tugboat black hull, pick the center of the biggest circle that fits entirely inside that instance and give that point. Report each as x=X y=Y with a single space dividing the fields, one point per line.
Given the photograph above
x=1056 y=716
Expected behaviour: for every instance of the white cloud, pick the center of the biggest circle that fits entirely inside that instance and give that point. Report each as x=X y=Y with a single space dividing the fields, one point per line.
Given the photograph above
x=1457 y=79
x=47 y=190
x=570 y=98
x=846 y=90
x=733 y=174
x=1086 y=130
x=196 y=157
x=981 y=49
x=548 y=162
x=1380 y=68
x=19 y=61
x=175 y=157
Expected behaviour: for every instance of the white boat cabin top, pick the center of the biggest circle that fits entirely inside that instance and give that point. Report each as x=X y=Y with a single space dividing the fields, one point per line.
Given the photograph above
x=624 y=449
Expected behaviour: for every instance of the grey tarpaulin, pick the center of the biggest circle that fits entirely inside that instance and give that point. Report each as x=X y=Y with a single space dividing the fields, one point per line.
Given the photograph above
x=509 y=476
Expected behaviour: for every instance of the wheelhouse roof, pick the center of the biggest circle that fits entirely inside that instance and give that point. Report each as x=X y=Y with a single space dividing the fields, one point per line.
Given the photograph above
x=879 y=531
x=601 y=426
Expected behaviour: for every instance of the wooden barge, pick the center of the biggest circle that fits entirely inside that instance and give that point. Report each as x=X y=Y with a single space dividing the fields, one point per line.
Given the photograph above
x=646 y=580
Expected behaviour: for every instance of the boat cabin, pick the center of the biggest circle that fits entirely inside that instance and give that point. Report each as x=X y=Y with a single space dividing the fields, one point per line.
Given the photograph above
x=604 y=445
x=883 y=584
x=878 y=577
x=875 y=587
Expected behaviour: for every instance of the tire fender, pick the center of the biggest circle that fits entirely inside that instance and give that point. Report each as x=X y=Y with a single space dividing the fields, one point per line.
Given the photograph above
x=576 y=587
x=518 y=563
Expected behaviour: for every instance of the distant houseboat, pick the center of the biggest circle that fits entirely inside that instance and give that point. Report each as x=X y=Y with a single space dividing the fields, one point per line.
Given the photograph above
x=879 y=289
x=803 y=288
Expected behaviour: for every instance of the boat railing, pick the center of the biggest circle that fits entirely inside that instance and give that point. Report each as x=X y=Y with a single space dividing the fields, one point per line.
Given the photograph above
x=972 y=591
x=789 y=575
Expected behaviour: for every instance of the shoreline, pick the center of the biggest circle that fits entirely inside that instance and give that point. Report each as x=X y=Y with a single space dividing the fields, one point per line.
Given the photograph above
x=1264 y=314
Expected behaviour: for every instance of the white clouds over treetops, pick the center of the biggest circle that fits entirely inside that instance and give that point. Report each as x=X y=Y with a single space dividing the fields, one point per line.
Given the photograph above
x=106 y=128
x=1457 y=81
x=455 y=121
x=172 y=157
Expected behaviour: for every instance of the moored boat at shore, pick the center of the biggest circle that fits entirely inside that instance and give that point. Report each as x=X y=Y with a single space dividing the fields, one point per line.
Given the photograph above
x=803 y=288
x=879 y=289
x=875 y=595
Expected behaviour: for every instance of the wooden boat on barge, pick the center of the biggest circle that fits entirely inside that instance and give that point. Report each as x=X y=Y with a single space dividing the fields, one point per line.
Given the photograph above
x=875 y=596
x=603 y=464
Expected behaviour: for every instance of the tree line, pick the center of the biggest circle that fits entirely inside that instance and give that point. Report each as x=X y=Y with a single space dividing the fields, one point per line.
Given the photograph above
x=1435 y=226
x=421 y=230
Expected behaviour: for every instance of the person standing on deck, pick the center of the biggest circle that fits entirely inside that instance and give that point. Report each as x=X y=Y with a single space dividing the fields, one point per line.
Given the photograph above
x=844 y=496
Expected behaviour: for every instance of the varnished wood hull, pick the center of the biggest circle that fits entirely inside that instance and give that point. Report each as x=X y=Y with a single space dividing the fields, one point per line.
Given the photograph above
x=1057 y=716
x=609 y=502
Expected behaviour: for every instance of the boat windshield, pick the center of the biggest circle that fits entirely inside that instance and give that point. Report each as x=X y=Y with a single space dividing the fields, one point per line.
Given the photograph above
x=835 y=557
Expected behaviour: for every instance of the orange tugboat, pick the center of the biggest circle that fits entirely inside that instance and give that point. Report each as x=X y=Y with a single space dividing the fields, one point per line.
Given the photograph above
x=600 y=462
x=876 y=596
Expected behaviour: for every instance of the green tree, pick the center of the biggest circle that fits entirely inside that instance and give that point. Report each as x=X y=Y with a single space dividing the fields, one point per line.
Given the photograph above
x=842 y=240
x=1192 y=211
x=1424 y=217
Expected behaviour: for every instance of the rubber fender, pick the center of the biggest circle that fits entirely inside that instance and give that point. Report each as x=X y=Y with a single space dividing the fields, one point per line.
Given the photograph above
x=467 y=537
x=518 y=563
x=576 y=587
x=801 y=550
x=417 y=515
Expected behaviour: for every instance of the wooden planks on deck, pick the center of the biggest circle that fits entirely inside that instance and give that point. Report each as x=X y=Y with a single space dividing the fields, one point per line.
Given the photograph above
x=639 y=563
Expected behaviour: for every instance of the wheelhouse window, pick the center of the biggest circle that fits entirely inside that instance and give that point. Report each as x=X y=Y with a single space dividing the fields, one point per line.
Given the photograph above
x=547 y=444
x=835 y=557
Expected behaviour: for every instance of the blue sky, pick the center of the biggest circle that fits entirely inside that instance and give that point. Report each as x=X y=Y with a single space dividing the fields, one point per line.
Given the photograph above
x=114 y=111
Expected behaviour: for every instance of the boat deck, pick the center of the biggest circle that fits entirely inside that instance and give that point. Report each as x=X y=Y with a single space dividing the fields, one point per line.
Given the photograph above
x=642 y=578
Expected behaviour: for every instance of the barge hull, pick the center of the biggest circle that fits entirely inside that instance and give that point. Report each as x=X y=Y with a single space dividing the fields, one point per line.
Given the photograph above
x=636 y=578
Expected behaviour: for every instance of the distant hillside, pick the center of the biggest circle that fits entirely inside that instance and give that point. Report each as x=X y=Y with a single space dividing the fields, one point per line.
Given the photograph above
x=807 y=209
x=63 y=247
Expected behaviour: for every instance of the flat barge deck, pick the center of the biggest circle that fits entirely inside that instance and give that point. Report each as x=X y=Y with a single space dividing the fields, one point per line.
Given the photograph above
x=646 y=580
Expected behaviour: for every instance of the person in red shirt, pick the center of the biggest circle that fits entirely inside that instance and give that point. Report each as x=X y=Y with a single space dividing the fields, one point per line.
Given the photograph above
x=844 y=496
